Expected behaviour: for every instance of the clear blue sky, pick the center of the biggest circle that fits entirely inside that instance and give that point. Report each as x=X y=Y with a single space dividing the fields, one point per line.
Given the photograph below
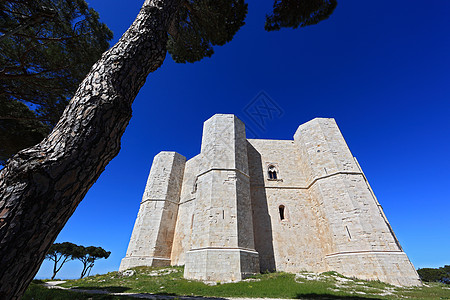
x=380 y=68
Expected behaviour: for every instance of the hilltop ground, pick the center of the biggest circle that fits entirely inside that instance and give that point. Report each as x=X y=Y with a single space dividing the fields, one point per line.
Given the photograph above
x=168 y=283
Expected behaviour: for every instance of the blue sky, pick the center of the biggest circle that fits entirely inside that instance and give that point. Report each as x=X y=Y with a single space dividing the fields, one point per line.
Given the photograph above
x=380 y=68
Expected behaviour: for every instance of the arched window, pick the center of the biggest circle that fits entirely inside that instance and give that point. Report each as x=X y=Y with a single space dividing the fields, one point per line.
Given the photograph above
x=281 y=210
x=272 y=172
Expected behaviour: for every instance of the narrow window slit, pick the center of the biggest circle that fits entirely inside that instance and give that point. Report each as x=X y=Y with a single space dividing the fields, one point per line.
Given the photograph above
x=348 y=232
x=194 y=188
x=281 y=210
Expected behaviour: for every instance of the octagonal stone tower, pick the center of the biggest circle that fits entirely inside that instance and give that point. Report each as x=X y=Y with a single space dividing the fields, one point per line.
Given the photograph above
x=222 y=246
x=359 y=238
x=153 y=232
x=243 y=206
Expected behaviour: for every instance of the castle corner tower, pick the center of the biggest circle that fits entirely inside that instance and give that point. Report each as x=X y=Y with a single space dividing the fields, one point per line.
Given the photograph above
x=222 y=236
x=152 y=237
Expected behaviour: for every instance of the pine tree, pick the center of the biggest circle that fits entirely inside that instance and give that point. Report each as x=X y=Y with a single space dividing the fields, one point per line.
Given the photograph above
x=46 y=49
x=41 y=186
x=298 y=13
x=88 y=256
x=60 y=253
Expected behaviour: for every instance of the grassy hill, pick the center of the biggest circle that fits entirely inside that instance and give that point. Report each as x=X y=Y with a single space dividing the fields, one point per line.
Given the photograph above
x=170 y=281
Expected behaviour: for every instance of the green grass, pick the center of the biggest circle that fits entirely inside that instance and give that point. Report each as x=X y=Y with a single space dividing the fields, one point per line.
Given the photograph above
x=273 y=285
x=38 y=292
x=329 y=285
x=434 y=291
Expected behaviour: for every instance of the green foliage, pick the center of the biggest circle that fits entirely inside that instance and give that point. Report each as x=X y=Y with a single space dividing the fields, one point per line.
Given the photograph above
x=298 y=13
x=88 y=256
x=441 y=274
x=46 y=49
x=63 y=252
x=201 y=24
x=19 y=128
x=60 y=253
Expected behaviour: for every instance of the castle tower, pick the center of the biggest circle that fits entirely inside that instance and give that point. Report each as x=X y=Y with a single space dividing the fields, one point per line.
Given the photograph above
x=361 y=242
x=222 y=246
x=152 y=237
x=286 y=205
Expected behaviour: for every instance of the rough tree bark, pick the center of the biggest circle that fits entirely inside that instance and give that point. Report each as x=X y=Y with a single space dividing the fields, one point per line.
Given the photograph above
x=41 y=186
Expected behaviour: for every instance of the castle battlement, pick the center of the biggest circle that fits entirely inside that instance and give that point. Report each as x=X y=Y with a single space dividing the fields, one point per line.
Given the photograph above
x=248 y=205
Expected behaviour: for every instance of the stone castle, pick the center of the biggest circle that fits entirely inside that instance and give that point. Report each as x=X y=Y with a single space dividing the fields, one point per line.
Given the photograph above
x=248 y=205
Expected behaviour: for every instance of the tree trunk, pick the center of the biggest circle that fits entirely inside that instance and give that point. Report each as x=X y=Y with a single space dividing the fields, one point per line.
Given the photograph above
x=41 y=186
x=54 y=271
x=83 y=272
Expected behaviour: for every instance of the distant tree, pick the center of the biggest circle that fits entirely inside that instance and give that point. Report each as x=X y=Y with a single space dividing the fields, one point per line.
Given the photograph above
x=445 y=278
x=446 y=268
x=46 y=48
x=60 y=253
x=441 y=274
x=88 y=256
x=41 y=186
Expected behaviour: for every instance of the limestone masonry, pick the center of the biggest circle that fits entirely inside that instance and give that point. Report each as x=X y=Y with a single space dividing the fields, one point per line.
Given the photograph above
x=244 y=206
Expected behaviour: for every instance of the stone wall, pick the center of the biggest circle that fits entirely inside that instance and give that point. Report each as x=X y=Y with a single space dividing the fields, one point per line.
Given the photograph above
x=153 y=232
x=185 y=221
x=294 y=243
x=392 y=267
x=222 y=242
x=223 y=216
x=355 y=226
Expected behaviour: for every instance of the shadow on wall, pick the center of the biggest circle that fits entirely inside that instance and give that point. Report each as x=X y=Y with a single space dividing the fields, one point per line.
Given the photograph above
x=262 y=226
